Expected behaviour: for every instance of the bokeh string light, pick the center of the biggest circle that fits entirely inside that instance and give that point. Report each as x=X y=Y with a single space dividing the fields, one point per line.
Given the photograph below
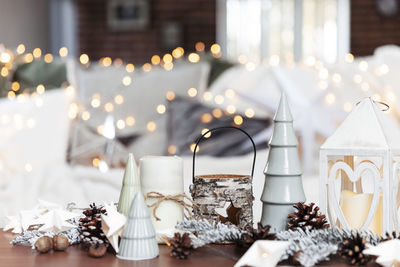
x=366 y=76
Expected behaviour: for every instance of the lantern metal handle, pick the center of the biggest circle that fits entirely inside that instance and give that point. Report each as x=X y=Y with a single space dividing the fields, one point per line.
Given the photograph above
x=386 y=106
x=219 y=129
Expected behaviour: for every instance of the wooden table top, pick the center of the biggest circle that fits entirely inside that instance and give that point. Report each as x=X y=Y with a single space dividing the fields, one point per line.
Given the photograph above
x=209 y=256
x=18 y=256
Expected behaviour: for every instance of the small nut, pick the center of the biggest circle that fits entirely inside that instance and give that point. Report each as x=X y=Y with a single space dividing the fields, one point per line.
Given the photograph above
x=44 y=244
x=60 y=242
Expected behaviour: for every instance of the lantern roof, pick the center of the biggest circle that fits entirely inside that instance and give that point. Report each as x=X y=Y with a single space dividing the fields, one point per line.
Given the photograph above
x=366 y=127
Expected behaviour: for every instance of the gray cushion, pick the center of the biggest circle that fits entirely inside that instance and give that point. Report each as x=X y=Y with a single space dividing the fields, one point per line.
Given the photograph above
x=185 y=126
x=51 y=75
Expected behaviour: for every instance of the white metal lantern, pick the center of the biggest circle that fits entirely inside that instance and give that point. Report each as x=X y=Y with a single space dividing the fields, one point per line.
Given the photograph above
x=359 y=175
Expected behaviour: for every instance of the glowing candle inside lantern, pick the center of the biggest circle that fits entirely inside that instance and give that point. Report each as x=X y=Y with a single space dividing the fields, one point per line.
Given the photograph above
x=355 y=208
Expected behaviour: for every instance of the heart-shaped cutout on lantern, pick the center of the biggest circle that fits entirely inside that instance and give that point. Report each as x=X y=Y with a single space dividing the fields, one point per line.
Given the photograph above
x=357 y=210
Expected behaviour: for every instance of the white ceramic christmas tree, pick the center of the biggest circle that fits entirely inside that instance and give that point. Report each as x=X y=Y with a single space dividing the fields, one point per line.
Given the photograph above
x=130 y=186
x=283 y=186
x=139 y=237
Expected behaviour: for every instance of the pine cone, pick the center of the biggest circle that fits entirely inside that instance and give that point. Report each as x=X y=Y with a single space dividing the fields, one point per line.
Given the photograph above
x=394 y=235
x=97 y=250
x=181 y=246
x=307 y=216
x=90 y=227
x=294 y=259
x=352 y=249
x=261 y=233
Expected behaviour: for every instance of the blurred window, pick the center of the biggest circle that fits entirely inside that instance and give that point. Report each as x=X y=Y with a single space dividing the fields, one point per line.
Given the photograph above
x=290 y=29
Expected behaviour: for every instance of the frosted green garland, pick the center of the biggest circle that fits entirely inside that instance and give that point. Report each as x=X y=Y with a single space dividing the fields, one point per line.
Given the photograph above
x=28 y=238
x=315 y=245
x=208 y=233
x=318 y=245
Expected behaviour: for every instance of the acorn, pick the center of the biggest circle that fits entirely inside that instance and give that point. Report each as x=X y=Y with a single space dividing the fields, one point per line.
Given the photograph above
x=44 y=244
x=60 y=242
x=97 y=250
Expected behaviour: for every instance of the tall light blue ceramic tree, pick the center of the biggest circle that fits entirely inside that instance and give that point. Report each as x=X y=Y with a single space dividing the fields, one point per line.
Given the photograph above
x=283 y=185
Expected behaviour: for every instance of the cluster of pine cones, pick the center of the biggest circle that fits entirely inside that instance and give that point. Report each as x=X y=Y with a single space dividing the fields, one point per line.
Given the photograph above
x=304 y=217
x=308 y=216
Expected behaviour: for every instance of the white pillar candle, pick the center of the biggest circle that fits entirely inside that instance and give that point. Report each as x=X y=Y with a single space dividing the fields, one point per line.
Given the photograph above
x=163 y=175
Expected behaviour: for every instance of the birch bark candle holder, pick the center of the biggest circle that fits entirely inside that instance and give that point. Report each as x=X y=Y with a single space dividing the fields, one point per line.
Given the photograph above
x=215 y=194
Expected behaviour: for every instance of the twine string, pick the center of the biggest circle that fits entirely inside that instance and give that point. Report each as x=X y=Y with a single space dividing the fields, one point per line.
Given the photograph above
x=178 y=198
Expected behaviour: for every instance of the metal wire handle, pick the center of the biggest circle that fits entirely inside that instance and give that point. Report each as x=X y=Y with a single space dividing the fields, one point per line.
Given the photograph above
x=386 y=106
x=219 y=129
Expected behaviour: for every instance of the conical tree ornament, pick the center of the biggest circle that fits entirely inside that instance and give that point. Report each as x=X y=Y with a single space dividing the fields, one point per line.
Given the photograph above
x=130 y=186
x=283 y=186
x=139 y=237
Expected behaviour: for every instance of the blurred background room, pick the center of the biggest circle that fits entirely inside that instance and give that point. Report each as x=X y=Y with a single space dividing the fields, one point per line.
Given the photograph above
x=85 y=82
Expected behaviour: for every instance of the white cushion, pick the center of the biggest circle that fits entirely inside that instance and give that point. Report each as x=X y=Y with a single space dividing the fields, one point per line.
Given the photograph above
x=32 y=135
x=141 y=99
x=257 y=89
x=142 y=96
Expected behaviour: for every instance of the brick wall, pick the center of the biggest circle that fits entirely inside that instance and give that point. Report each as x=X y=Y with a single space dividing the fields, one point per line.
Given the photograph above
x=196 y=17
x=369 y=30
